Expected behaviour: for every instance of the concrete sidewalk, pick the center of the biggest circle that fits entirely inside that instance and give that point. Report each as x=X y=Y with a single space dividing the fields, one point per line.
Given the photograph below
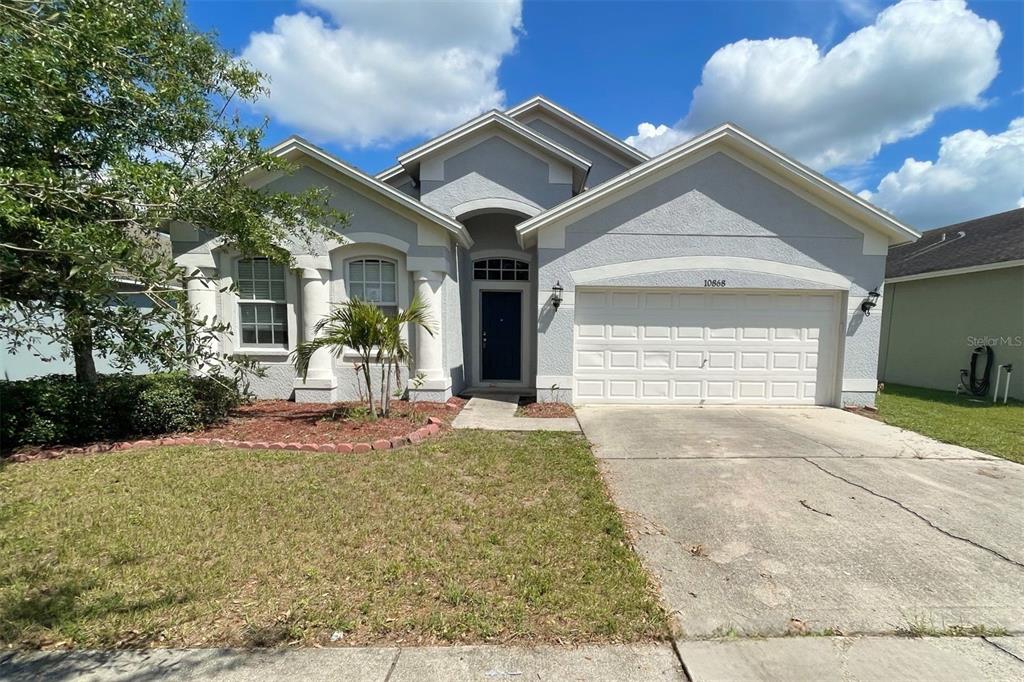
x=797 y=659
x=498 y=413
x=620 y=663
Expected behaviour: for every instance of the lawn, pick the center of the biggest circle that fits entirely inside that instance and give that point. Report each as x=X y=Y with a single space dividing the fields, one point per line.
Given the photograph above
x=474 y=537
x=973 y=423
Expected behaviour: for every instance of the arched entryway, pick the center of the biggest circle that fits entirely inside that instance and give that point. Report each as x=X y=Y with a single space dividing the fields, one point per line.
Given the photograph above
x=499 y=311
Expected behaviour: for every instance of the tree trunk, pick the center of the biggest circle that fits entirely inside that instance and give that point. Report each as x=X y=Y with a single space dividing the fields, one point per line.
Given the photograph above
x=80 y=330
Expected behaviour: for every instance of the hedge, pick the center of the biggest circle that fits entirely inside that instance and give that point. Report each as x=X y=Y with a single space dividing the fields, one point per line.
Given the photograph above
x=57 y=410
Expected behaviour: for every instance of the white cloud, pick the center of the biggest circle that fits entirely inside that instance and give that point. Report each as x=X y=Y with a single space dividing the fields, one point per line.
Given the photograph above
x=976 y=174
x=378 y=72
x=880 y=84
x=859 y=10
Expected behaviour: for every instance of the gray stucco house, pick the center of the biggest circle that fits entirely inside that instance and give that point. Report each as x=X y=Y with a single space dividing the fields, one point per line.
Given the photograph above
x=959 y=287
x=559 y=260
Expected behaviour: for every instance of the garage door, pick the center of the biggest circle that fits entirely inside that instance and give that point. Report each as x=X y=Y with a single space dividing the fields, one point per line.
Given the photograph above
x=701 y=347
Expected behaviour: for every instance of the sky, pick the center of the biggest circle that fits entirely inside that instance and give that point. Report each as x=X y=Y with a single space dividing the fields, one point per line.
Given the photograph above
x=918 y=106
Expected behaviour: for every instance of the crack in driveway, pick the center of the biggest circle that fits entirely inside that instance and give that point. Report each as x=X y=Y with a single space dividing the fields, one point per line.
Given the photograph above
x=1002 y=648
x=920 y=516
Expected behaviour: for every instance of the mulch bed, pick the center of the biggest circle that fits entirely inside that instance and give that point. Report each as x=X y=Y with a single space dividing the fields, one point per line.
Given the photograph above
x=282 y=422
x=348 y=422
x=530 y=408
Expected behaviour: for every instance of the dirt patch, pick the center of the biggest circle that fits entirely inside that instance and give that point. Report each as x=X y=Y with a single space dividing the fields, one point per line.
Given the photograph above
x=531 y=408
x=288 y=422
x=869 y=412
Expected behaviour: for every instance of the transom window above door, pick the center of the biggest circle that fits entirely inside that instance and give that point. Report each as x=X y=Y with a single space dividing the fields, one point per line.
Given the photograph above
x=374 y=280
x=262 y=303
x=501 y=269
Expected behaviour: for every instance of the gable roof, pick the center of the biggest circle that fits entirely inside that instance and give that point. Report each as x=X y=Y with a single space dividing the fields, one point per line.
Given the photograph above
x=542 y=104
x=731 y=137
x=495 y=120
x=296 y=146
x=991 y=240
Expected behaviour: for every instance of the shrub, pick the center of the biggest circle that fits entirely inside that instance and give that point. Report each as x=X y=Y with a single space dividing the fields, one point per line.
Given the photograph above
x=55 y=409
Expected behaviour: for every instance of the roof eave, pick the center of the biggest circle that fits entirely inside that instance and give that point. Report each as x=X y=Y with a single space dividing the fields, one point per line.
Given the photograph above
x=410 y=159
x=743 y=142
x=610 y=142
x=302 y=146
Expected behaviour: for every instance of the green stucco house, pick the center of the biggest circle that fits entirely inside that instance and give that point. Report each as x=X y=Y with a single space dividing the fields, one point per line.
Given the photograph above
x=956 y=288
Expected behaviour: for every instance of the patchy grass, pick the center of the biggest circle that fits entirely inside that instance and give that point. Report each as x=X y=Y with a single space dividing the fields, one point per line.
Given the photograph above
x=474 y=537
x=996 y=429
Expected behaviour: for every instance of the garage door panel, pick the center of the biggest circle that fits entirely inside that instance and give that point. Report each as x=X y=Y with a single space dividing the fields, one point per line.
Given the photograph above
x=705 y=347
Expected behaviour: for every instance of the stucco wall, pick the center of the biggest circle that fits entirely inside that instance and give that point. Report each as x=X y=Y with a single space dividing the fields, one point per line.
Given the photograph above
x=930 y=326
x=375 y=228
x=720 y=208
x=603 y=167
x=494 y=168
x=46 y=357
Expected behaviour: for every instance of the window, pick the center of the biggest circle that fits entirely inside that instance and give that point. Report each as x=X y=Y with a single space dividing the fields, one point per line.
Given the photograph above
x=374 y=280
x=503 y=269
x=262 y=306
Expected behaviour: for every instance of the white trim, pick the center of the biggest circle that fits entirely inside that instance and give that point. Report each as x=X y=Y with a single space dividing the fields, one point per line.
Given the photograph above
x=740 y=142
x=389 y=173
x=526 y=340
x=826 y=278
x=957 y=271
x=350 y=238
x=856 y=385
x=295 y=146
x=338 y=293
x=460 y=211
x=411 y=159
x=232 y=339
x=624 y=150
x=524 y=256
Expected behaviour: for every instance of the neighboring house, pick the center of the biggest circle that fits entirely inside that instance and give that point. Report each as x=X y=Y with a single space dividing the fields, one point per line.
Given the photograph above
x=957 y=288
x=557 y=259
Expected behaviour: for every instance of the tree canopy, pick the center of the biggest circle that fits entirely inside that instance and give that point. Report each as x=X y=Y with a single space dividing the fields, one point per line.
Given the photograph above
x=117 y=118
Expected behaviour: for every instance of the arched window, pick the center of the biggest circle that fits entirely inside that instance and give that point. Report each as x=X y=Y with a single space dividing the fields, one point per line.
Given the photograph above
x=262 y=306
x=501 y=269
x=374 y=280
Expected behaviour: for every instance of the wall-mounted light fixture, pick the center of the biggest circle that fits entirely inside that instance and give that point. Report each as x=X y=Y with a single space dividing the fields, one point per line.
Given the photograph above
x=556 y=295
x=870 y=302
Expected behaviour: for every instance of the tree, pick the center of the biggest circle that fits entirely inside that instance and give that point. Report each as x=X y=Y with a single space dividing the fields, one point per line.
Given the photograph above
x=118 y=118
x=374 y=336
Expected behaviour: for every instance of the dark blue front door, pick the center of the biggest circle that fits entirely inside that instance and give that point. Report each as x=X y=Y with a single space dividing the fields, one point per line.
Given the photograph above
x=501 y=335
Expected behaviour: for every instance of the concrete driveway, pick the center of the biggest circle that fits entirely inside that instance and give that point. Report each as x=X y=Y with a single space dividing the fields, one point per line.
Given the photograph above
x=769 y=521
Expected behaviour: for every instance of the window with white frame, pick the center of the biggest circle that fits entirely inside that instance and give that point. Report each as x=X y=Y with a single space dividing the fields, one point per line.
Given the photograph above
x=501 y=269
x=374 y=280
x=262 y=303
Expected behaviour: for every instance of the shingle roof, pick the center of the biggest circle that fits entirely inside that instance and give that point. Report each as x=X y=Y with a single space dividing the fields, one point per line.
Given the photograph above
x=992 y=239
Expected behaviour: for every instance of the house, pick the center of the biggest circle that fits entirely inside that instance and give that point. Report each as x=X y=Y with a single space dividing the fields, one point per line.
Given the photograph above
x=557 y=259
x=957 y=288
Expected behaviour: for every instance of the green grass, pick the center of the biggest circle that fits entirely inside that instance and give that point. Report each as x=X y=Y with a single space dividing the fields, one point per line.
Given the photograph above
x=475 y=537
x=973 y=423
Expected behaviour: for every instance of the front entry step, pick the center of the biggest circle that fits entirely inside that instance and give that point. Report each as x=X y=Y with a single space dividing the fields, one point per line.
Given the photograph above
x=497 y=412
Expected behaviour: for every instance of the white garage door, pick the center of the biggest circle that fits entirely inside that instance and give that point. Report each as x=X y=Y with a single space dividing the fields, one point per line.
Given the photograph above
x=695 y=346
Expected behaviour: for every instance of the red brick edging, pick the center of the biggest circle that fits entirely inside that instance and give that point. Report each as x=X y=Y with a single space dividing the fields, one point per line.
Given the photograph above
x=432 y=428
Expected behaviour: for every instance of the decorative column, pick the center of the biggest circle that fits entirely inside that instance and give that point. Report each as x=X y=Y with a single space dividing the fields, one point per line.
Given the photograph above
x=201 y=287
x=320 y=385
x=428 y=379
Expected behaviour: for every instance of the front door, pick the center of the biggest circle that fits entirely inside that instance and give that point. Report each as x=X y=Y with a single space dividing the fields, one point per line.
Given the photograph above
x=501 y=335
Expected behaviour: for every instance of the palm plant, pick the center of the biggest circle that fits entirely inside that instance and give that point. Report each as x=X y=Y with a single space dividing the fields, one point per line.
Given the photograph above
x=373 y=336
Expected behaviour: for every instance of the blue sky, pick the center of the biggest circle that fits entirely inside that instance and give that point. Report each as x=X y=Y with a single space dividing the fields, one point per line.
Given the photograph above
x=878 y=89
